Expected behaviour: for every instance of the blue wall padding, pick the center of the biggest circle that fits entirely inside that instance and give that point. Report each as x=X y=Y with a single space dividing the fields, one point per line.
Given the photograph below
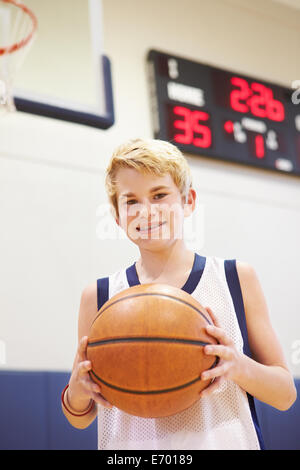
x=23 y=411
x=281 y=429
x=31 y=416
x=61 y=434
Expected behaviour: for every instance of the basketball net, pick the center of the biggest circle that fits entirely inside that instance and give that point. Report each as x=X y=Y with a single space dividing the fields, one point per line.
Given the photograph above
x=18 y=26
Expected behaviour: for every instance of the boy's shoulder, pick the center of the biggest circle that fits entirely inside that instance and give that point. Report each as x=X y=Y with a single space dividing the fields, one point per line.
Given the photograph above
x=214 y=260
x=243 y=265
x=244 y=269
x=89 y=294
x=90 y=290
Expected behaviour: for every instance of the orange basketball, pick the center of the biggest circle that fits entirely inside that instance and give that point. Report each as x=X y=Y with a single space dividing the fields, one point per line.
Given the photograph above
x=146 y=349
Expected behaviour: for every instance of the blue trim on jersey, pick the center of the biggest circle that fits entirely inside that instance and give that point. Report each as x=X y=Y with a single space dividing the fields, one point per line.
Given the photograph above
x=191 y=283
x=102 y=291
x=132 y=277
x=237 y=297
x=133 y=280
x=195 y=274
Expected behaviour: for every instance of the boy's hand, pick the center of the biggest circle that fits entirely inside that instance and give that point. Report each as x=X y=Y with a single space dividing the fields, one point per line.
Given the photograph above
x=81 y=387
x=229 y=365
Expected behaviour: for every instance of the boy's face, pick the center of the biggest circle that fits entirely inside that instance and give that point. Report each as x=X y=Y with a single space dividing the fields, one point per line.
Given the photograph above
x=151 y=208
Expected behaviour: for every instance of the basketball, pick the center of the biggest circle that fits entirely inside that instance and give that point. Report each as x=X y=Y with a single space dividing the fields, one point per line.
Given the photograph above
x=146 y=349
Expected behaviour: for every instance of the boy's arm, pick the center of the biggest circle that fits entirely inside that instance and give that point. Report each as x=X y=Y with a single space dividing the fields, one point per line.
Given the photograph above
x=86 y=411
x=82 y=394
x=275 y=381
x=266 y=376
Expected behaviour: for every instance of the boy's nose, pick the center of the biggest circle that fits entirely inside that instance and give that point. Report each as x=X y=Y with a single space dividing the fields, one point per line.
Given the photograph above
x=147 y=210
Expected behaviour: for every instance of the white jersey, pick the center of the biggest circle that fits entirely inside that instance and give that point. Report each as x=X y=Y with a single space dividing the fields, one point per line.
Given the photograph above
x=225 y=419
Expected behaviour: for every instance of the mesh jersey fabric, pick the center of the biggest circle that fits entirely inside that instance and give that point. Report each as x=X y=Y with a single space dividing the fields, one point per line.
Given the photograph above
x=225 y=419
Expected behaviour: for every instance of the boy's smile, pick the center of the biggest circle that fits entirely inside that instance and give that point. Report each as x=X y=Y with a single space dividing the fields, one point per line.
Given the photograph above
x=150 y=228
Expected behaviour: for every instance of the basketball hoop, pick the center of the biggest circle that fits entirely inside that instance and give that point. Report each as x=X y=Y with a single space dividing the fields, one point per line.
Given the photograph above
x=18 y=26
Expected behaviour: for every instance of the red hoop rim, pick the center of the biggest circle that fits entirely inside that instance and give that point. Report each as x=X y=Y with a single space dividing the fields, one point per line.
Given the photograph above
x=18 y=45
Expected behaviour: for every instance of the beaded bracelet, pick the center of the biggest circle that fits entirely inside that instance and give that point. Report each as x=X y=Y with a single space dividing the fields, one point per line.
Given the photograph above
x=90 y=407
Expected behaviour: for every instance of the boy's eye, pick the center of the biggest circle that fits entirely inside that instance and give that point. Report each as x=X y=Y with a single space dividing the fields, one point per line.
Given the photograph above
x=133 y=201
x=160 y=194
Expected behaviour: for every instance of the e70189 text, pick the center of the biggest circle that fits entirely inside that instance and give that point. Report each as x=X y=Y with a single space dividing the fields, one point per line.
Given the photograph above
x=174 y=459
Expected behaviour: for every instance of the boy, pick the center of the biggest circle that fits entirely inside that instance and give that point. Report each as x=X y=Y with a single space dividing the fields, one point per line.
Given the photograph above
x=150 y=191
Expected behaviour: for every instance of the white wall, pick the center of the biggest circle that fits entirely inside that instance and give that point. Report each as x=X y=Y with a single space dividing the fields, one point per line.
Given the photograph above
x=52 y=175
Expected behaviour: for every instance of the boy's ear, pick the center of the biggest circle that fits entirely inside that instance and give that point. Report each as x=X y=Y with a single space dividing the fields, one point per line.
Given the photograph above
x=189 y=202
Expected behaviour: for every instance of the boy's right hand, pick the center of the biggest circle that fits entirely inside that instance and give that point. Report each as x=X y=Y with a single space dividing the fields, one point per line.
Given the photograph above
x=81 y=387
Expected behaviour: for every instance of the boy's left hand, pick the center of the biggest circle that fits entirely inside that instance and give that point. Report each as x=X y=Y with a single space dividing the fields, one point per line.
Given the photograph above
x=229 y=365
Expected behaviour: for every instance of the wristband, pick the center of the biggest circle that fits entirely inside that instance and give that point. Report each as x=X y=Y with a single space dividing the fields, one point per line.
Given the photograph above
x=90 y=407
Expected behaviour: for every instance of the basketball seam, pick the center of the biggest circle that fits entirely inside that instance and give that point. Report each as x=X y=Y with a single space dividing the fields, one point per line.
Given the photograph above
x=149 y=392
x=152 y=392
x=156 y=294
x=147 y=339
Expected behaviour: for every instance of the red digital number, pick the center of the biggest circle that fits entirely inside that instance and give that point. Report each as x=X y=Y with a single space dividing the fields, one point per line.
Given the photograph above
x=184 y=125
x=237 y=95
x=259 y=146
x=276 y=111
x=256 y=99
x=190 y=125
x=259 y=102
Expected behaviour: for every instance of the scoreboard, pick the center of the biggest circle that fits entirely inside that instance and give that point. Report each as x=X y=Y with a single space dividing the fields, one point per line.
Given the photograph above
x=224 y=115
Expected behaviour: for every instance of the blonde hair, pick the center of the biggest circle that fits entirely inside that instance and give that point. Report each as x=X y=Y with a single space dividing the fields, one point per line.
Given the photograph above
x=147 y=156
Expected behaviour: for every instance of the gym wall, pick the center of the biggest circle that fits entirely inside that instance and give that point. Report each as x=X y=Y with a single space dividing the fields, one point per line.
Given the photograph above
x=52 y=180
